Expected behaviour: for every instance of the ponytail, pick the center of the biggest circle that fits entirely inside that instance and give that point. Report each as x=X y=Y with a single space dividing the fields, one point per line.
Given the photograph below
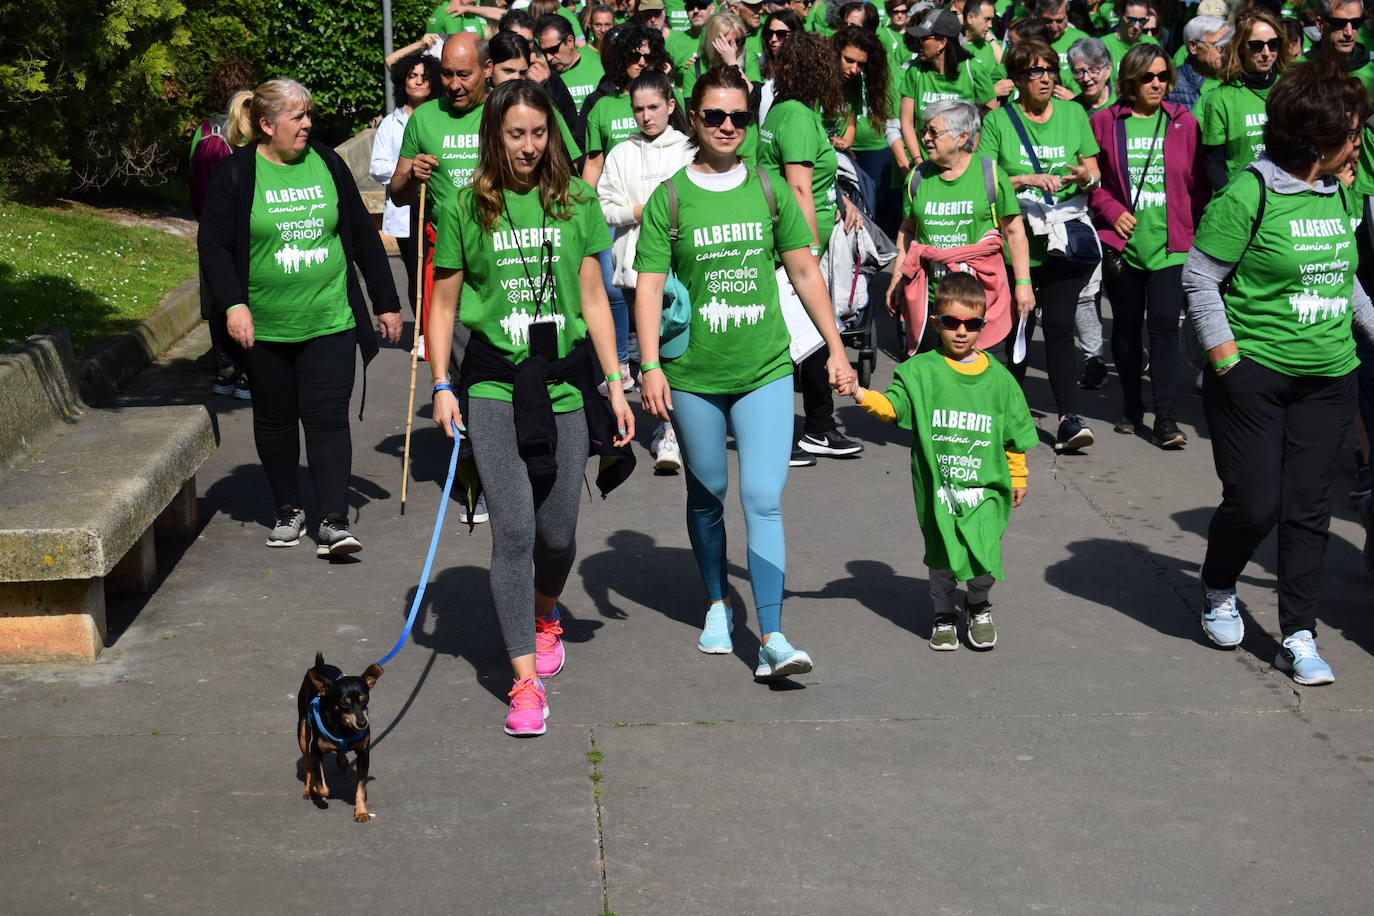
x=238 y=122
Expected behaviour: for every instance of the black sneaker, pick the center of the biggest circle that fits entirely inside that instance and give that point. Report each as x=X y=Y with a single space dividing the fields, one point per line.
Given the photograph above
x=1360 y=488
x=801 y=459
x=1094 y=374
x=335 y=539
x=1168 y=435
x=242 y=391
x=1074 y=434
x=832 y=444
x=1128 y=423
x=224 y=384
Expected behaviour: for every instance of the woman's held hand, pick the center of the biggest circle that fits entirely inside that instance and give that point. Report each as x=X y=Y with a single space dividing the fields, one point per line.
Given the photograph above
x=654 y=394
x=446 y=413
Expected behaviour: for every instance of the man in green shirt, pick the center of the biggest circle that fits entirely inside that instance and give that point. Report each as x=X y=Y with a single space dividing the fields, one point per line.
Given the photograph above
x=1130 y=31
x=1055 y=13
x=581 y=70
x=1340 y=22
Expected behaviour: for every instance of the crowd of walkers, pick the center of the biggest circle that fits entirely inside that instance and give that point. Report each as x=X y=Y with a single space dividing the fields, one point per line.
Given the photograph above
x=656 y=194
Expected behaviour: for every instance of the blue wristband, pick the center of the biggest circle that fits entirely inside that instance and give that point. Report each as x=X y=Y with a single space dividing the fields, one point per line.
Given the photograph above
x=443 y=387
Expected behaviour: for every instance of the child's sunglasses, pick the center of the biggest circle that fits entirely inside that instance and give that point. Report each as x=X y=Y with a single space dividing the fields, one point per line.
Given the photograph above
x=951 y=323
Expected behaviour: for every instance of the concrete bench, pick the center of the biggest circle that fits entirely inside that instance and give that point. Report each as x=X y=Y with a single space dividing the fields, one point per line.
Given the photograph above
x=83 y=494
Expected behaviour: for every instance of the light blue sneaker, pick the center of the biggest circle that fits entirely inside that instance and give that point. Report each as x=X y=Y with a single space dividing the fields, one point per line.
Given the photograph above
x=1221 y=620
x=715 y=636
x=1299 y=659
x=779 y=659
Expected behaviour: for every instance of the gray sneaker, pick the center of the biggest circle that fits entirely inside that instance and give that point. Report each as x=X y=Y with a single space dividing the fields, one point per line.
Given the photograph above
x=286 y=532
x=944 y=633
x=981 y=632
x=335 y=539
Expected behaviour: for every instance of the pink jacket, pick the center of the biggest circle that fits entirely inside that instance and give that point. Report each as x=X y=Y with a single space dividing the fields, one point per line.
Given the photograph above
x=1186 y=189
x=984 y=260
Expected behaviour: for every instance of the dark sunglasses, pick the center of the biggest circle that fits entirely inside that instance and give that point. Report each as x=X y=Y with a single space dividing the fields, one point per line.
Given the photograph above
x=715 y=117
x=551 y=49
x=1136 y=20
x=898 y=11
x=640 y=56
x=1152 y=77
x=1256 y=46
x=691 y=5
x=1149 y=31
x=1336 y=24
x=951 y=323
x=779 y=34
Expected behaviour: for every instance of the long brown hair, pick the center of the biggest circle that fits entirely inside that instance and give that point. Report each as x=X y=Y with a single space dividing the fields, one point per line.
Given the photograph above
x=1233 y=59
x=494 y=173
x=805 y=70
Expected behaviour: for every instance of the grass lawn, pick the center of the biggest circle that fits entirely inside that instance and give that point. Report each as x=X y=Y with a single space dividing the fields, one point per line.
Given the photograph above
x=68 y=267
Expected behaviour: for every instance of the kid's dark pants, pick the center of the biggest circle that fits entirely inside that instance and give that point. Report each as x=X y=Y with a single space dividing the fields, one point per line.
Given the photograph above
x=1276 y=441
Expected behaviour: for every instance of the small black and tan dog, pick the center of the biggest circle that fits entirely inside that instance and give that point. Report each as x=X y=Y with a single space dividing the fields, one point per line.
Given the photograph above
x=333 y=720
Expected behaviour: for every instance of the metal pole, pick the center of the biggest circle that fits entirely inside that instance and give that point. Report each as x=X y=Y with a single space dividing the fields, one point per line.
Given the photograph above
x=387 y=48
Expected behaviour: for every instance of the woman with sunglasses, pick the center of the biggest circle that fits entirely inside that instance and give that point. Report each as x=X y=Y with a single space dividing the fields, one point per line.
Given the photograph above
x=1067 y=159
x=776 y=29
x=1232 y=115
x=525 y=237
x=893 y=33
x=736 y=369
x=1274 y=299
x=1147 y=209
x=942 y=69
x=795 y=146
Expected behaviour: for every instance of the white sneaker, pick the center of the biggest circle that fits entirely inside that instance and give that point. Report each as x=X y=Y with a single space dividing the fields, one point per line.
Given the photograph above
x=668 y=457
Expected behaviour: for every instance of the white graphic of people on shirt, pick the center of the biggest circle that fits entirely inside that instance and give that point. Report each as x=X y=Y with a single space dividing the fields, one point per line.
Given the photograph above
x=1312 y=308
x=517 y=326
x=292 y=259
x=970 y=498
x=720 y=315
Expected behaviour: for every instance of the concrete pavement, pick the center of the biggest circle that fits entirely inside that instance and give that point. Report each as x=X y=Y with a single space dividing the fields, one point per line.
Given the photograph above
x=1103 y=758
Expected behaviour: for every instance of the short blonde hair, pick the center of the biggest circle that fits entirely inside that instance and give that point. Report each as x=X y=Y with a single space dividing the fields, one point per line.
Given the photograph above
x=718 y=25
x=270 y=100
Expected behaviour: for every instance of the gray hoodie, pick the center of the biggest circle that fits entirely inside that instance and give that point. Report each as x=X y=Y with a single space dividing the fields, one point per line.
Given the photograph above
x=1203 y=275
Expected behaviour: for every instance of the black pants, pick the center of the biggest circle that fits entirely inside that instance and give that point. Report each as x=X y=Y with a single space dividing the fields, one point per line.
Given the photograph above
x=1276 y=440
x=1057 y=286
x=409 y=248
x=818 y=405
x=306 y=384
x=1146 y=302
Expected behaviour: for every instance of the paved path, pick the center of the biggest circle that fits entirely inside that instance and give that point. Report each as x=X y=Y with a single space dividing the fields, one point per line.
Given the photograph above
x=1102 y=759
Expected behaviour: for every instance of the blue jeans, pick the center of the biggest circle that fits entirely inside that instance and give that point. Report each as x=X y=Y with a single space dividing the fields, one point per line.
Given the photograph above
x=620 y=312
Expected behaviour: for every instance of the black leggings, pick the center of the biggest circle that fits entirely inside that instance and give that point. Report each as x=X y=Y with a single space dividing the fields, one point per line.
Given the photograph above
x=1144 y=301
x=305 y=384
x=1057 y=287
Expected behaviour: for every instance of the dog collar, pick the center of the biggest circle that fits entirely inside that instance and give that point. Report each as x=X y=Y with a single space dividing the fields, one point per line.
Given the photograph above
x=343 y=743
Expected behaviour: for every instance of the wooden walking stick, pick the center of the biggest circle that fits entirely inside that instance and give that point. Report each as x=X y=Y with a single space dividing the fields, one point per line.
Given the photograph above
x=415 y=344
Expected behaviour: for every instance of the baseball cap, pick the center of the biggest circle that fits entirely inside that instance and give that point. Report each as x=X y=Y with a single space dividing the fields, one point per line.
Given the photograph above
x=938 y=22
x=649 y=6
x=1218 y=8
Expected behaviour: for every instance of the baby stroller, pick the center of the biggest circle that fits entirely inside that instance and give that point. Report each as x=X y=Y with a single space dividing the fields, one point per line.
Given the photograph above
x=850 y=262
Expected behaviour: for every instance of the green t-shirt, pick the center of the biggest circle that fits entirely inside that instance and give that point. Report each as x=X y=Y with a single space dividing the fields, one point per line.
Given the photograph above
x=503 y=272
x=815 y=20
x=1061 y=48
x=676 y=12
x=950 y=214
x=583 y=77
x=1289 y=300
x=443 y=23
x=972 y=83
x=725 y=256
x=1118 y=48
x=794 y=133
x=571 y=17
x=1083 y=102
x=437 y=129
x=984 y=51
x=680 y=48
x=1233 y=117
x=1105 y=20
x=1364 y=171
x=1058 y=143
x=962 y=427
x=297 y=276
x=753 y=57
x=894 y=43
x=866 y=136
x=610 y=121
x=1148 y=246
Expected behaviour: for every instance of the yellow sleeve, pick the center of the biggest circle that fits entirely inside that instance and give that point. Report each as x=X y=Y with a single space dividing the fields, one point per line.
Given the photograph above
x=877 y=404
x=1016 y=464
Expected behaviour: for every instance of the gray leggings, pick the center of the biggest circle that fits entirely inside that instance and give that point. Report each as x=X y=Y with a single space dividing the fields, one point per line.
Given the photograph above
x=943 y=585
x=528 y=520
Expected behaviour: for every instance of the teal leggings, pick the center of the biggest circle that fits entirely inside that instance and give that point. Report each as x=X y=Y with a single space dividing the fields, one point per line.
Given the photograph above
x=761 y=421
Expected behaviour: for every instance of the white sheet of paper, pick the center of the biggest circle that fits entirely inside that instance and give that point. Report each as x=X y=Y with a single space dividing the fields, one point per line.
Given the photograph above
x=805 y=338
x=1018 y=349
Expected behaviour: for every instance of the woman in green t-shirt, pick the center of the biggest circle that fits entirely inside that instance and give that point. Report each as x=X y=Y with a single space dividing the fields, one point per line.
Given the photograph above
x=525 y=236
x=1233 y=114
x=868 y=94
x=1272 y=295
x=282 y=229
x=736 y=369
x=941 y=69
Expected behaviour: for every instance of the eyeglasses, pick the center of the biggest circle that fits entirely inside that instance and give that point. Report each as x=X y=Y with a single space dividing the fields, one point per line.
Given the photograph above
x=1082 y=72
x=776 y=34
x=1152 y=77
x=1256 y=46
x=1037 y=73
x=931 y=133
x=715 y=117
x=1135 y=20
x=1336 y=24
x=951 y=322
x=1150 y=31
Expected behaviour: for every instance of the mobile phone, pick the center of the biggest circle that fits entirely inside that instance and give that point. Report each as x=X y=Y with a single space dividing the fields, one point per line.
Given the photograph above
x=543 y=333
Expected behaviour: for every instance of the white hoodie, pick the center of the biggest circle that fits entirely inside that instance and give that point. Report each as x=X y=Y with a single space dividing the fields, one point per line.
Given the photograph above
x=634 y=168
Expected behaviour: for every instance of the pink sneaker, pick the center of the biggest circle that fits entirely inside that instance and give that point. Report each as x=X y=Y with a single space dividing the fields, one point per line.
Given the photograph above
x=548 y=648
x=528 y=709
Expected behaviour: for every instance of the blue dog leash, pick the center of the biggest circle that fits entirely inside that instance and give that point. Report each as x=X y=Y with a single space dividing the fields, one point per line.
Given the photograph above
x=433 y=546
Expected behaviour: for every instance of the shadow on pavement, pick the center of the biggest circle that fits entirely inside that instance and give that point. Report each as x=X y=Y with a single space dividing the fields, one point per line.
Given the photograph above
x=903 y=600
x=243 y=495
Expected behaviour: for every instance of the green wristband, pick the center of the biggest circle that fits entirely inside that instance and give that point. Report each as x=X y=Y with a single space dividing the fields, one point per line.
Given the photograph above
x=613 y=376
x=645 y=367
x=237 y=305
x=1023 y=281
x=1223 y=364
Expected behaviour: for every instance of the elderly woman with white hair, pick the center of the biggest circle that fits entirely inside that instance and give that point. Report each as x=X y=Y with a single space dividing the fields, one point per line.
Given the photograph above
x=960 y=209
x=282 y=230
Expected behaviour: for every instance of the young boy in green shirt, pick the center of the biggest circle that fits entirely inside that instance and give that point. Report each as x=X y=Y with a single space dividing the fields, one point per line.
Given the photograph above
x=970 y=431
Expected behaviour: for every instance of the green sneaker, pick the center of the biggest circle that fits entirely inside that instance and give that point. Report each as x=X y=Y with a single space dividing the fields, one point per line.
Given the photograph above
x=944 y=634
x=981 y=633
